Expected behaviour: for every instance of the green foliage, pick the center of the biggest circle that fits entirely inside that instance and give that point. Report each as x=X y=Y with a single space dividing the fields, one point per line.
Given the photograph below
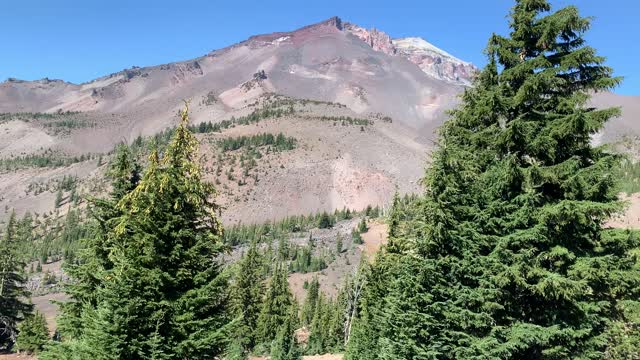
x=270 y=231
x=276 y=307
x=339 y=245
x=304 y=260
x=13 y=294
x=629 y=176
x=57 y=123
x=345 y=120
x=277 y=142
x=506 y=255
x=48 y=159
x=58 y=201
x=356 y=237
x=51 y=237
x=246 y=297
x=149 y=285
x=33 y=334
x=310 y=302
x=124 y=172
x=272 y=111
x=284 y=346
x=325 y=221
x=237 y=350
x=362 y=226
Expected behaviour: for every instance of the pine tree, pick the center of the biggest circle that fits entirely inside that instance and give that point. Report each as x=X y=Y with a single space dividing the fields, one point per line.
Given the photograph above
x=339 y=248
x=285 y=346
x=310 y=302
x=162 y=297
x=325 y=221
x=124 y=172
x=237 y=349
x=58 y=200
x=13 y=294
x=93 y=262
x=507 y=255
x=362 y=226
x=247 y=293
x=559 y=275
x=33 y=334
x=318 y=328
x=276 y=308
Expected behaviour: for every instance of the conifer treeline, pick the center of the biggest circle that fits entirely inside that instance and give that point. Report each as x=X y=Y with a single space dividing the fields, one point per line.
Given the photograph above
x=278 y=142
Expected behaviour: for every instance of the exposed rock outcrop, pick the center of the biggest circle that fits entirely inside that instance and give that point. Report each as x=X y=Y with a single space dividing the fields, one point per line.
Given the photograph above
x=432 y=60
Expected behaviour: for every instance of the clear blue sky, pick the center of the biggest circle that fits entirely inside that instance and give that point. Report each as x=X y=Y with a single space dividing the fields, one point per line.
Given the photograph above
x=78 y=40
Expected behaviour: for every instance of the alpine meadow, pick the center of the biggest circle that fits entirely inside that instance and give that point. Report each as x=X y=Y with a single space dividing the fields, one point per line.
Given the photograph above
x=270 y=200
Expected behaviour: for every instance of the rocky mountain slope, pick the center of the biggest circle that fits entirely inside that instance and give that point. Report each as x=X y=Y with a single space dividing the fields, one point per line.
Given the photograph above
x=361 y=106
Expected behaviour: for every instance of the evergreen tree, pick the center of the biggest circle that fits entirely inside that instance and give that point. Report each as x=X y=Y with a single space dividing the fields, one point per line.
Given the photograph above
x=394 y=216
x=276 y=308
x=94 y=262
x=362 y=226
x=33 y=334
x=58 y=200
x=13 y=294
x=318 y=328
x=247 y=293
x=162 y=296
x=310 y=302
x=324 y=221
x=237 y=349
x=124 y=172
x=507 y=255
x=284 y=346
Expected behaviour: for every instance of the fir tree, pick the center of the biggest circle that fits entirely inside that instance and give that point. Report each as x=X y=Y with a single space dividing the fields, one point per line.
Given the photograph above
x=237 y=349
x=13 y=294
x=162 y=296
x=318 y=328
x=285 y=346
x=58 y=200
x=93 y=261
x=507 y=255
x=33 y=334
x=325 y=221
x=247 y=294
x=276 y=307
x=310 y=302
x=124 y=172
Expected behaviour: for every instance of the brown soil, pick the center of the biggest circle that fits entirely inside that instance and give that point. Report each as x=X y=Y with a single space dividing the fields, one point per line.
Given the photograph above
x=374 y=238
x=630 y=219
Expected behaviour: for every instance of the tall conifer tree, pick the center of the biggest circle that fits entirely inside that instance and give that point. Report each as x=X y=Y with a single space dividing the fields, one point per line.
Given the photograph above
x=247 y=296
x=163 y=296
x=508 y=256
x=276 y=308
x=13 y=294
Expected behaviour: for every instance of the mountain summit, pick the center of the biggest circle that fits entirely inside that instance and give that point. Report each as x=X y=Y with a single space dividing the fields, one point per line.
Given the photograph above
x=332 y=60
x=361 y=106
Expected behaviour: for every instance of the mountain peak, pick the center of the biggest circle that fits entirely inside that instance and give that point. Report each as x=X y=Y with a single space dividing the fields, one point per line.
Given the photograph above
x=420 y=44
x=332 y=21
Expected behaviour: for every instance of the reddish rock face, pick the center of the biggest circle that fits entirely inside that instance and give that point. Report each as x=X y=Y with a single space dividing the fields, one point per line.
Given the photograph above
x=378 y=40
x=430 y=59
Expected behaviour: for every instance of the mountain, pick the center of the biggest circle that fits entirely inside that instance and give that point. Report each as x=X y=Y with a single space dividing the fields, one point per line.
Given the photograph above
x=361 y=106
